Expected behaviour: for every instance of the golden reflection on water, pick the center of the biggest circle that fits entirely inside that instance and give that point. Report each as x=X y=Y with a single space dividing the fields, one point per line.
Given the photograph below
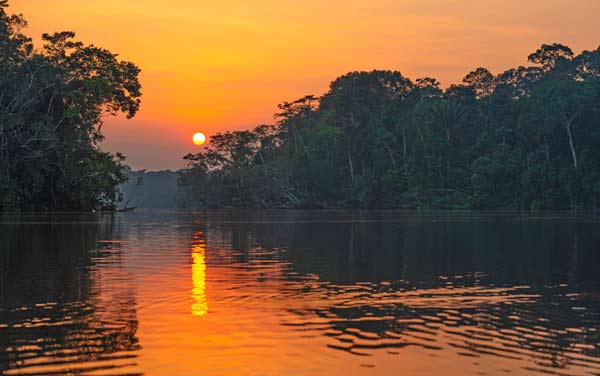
x=200 y=305
x=304 y=302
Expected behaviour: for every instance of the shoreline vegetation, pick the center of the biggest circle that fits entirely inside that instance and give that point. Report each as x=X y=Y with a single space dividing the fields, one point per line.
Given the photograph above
x=527 y=138
x=52 y=102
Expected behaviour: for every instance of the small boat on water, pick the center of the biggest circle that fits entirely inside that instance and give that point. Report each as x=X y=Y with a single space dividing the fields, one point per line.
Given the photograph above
x=124 y=210
x=114 y=210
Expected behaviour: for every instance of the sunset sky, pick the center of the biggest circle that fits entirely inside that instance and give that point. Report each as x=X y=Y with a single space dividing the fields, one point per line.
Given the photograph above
x=224 y=65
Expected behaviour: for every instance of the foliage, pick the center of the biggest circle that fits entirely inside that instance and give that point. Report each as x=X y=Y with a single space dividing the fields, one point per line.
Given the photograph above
x=525 y=138
x=52 y=102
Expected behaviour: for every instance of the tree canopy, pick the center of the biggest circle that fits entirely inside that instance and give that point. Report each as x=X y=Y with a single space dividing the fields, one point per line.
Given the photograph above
x=52 y=104
x=525 y=138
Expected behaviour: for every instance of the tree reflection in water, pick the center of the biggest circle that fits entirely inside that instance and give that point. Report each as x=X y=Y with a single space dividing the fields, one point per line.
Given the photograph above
x=409 y=292
x=54 y=311
x=524 y=291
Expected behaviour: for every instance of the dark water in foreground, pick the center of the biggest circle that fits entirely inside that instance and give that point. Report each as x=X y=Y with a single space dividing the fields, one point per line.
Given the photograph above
x=300 y=293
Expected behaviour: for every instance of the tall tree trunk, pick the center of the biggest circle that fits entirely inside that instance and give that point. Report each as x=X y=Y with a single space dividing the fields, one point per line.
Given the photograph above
x=421 y=135
x=571 y=145
x=391 y=154
x=568 y=123
x=304 y=145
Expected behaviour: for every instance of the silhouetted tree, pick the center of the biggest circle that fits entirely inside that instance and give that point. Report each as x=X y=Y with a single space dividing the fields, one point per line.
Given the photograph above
x=52 y=104
x=526 y=138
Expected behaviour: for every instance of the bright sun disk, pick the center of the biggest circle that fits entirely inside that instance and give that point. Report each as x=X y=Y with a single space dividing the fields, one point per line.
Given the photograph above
x=199 y=138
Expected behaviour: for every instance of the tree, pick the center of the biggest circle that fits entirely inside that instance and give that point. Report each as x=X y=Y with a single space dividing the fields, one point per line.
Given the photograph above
x=564 y=103
x=550 y=55
x=52 y=104
x=526 y=138
x=481 y=81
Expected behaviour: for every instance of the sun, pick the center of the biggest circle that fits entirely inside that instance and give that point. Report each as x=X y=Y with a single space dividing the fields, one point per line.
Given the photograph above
x=199 y=138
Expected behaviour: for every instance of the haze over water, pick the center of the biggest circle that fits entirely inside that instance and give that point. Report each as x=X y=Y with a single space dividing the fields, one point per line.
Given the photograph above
x=296 y=292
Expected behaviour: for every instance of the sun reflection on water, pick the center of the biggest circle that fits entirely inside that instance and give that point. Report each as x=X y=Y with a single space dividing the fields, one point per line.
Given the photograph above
x=200 y=305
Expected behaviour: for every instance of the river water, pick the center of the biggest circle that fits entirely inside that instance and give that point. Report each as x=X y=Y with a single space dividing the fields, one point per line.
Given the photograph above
x=300 y=293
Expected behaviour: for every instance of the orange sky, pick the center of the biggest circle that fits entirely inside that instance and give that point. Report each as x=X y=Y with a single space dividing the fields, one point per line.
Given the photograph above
x=216 y=65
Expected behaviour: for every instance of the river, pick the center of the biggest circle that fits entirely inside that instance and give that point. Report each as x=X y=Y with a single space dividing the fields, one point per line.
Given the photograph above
x=300 y=293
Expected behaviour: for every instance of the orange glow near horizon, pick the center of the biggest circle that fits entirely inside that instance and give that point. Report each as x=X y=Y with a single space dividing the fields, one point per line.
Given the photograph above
x=226 y=65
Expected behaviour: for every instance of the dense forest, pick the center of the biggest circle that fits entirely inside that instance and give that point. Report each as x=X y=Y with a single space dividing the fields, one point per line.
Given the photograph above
x=527 y=138
x=52 y=103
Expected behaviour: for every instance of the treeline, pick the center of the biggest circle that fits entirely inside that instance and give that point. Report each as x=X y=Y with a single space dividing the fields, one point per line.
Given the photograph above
x=52 y=102
x=528 y=138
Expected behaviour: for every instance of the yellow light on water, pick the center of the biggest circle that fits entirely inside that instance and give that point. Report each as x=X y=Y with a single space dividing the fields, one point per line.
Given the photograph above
x=200 y=305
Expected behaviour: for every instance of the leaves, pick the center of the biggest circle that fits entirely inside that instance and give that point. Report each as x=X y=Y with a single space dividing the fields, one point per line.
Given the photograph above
x=376 y=139
x=51 y=106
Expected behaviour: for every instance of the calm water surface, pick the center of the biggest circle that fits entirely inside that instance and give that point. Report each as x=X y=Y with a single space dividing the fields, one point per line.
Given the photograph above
x=300 y=293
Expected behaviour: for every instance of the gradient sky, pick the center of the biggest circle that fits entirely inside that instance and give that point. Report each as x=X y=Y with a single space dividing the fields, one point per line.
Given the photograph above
x=225 y=64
